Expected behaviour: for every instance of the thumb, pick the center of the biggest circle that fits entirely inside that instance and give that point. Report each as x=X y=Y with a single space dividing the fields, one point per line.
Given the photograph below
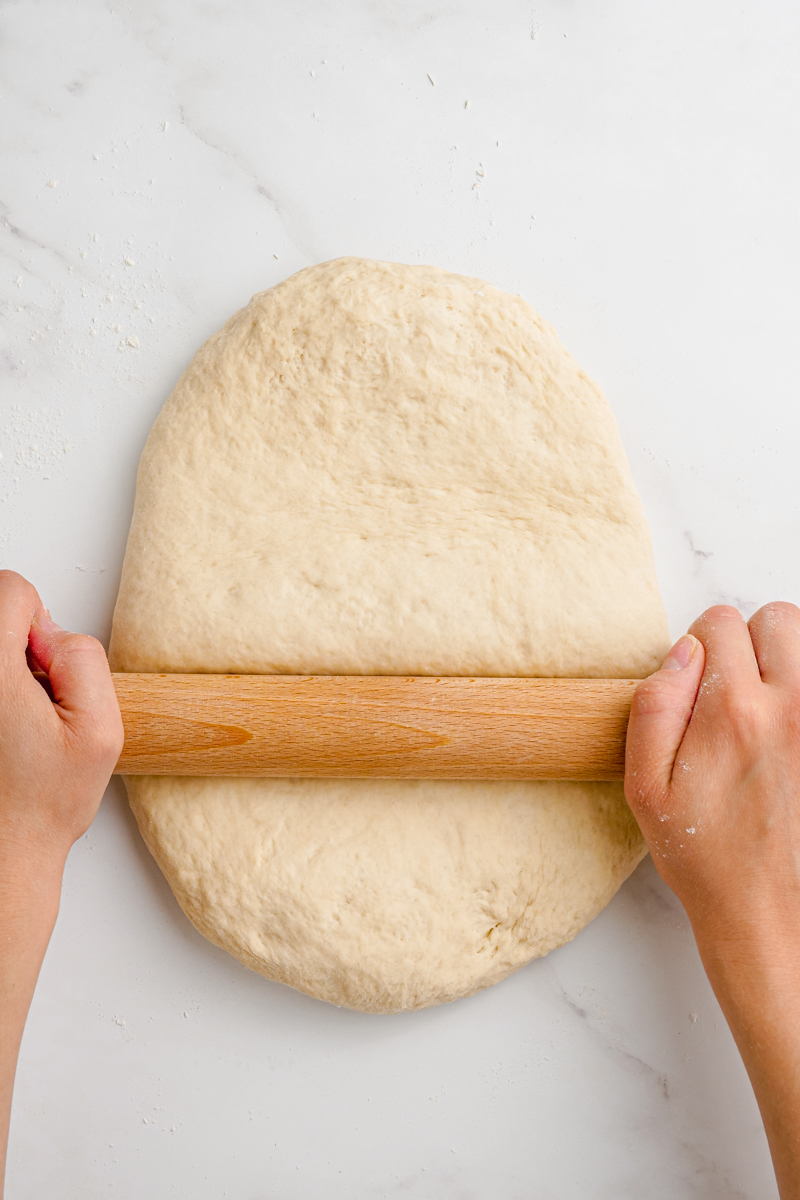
x=80 y=679
x=660 y=714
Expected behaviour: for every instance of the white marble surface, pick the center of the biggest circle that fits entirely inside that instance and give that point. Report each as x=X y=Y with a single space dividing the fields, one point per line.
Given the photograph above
x=631 y=168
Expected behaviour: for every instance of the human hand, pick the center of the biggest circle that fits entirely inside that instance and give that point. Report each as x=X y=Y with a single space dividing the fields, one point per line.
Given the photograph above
x=56 y=755
x=713 y=778
x=713 y=767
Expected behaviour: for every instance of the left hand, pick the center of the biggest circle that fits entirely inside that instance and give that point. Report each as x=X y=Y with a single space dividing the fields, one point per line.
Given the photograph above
x=56 y=756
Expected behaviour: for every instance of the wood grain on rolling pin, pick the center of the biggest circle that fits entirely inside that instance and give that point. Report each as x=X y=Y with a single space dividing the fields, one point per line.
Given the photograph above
x=380 y=726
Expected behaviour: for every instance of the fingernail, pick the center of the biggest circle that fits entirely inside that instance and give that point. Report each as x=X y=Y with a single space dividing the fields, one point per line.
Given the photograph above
x=681 y=653
x=47 y=624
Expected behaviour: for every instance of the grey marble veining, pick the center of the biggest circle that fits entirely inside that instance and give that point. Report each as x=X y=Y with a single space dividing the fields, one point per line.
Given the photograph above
x=629 y=168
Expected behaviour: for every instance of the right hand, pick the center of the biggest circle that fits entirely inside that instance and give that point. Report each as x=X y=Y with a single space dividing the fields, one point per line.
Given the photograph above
x=713 y=767
x=713 y=778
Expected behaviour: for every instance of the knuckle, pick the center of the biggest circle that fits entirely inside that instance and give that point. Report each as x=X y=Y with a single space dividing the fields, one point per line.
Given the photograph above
x=777 y=612
x=79 y=648
x=783 y=607
x=662 y=692
x=644 y=798
x=719 y=616
x=723 y=612
x=82 y=643
x=13 y=578
x=16 y=587
x=743 y=716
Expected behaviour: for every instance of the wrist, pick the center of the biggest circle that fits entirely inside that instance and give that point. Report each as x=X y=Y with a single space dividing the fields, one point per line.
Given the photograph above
x=753 y=914
x=30 y=865
x=751 y=954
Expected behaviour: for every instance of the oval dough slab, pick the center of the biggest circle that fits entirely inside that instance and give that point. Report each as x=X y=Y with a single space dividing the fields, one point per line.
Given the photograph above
x=384 y=469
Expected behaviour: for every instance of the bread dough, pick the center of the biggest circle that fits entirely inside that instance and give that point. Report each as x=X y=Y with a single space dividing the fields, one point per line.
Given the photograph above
x=390 y=894
x=386 y=469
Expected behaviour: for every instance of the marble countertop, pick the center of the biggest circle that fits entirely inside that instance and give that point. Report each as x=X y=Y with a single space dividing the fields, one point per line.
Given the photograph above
x=631 y=168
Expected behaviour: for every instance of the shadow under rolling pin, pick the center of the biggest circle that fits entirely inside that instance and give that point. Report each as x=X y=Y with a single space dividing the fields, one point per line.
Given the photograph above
x=373 y=726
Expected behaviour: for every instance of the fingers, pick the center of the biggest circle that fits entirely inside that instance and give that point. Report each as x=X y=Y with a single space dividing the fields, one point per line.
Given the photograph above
x=76 y=666
x=775 y=634
x=660 y=714
x=19 y=603
x=730 y=658
x=80 y=679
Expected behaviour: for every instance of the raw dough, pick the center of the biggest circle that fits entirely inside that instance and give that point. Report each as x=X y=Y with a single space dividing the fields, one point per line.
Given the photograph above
x=387 y=469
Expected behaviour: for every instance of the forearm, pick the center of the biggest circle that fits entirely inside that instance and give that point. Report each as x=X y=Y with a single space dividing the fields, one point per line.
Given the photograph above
x=29 y=897
x=756 y=978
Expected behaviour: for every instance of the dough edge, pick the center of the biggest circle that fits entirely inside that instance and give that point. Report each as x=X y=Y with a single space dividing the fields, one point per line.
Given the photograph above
x=358 y=982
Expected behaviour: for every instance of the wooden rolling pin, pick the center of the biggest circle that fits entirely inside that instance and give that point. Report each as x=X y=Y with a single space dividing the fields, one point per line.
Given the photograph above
x=381 y=726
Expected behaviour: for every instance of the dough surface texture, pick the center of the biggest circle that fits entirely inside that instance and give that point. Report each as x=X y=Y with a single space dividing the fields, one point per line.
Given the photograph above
x=386 y=469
